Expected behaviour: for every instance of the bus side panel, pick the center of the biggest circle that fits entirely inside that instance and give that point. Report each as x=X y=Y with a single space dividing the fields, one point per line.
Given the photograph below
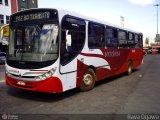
x=124 y=58
x=80 y=71
x=102 y=73
x=122 y=61
x=118 y=62
x=95 y=60
x=117 y=59
x=138 y=57
x=134 y=55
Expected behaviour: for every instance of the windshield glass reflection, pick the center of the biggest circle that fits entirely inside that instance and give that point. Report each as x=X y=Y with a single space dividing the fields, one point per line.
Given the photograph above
x=36 y=43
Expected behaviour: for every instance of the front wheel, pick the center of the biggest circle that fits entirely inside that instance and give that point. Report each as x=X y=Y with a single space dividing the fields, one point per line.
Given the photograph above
x=88 y=80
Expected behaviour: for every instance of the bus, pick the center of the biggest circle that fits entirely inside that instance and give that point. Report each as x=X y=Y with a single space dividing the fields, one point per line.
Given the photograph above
x=53 y=51
x=4 y=37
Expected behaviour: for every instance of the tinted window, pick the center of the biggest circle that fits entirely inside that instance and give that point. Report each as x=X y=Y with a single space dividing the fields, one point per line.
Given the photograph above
x=73 y=38
x=6 y=2
x=111 y=37
x=96 y=35
x=122 y=36
x=131 y=40
x=141 y=40
x=73 y=24
x=1 y=19
x=7 y=19
x=138 y=41
x=36 y=43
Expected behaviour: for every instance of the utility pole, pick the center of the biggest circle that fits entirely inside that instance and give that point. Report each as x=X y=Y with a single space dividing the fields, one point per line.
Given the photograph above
x=122 y=21
x=157 y=5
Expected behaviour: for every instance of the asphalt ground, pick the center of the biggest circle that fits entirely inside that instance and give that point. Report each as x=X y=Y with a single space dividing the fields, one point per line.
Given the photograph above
x=114 y=98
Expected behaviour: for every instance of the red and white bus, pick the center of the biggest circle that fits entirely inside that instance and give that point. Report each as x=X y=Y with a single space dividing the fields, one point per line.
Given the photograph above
x=55 y=50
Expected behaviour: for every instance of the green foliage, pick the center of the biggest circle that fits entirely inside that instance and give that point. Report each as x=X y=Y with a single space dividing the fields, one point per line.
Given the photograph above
x=157 y=39
x=147 y=40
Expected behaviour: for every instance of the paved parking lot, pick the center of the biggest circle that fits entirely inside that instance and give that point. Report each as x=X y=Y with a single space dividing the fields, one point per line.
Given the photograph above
x=137 y=93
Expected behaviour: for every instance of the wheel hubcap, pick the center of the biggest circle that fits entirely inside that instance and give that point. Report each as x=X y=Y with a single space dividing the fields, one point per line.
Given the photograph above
x=129 y=69
x=87 y=79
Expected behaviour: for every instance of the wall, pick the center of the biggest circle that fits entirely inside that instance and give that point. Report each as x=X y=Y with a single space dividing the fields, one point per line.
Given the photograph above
x=22 y=4
x=27 y=4
x=14 y=6
x=5 y=10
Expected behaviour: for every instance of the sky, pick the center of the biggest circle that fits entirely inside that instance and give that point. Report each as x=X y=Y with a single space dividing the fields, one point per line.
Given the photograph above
x=139 y=15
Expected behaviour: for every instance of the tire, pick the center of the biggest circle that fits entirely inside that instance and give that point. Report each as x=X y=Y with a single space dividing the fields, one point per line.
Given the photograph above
x=88 y=80
x=129 y=68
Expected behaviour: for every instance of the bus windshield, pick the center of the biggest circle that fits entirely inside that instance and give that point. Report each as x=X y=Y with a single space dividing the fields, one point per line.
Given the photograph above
x=33 y=43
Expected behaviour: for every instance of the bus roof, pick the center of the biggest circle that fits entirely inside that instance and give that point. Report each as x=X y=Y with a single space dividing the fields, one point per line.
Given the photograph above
x=71 y=13
x=63 y=12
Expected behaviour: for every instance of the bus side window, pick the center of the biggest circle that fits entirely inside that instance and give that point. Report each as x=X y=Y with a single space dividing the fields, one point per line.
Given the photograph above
x=122 y=37
x=96 y=35
x=131 y=40
x=138 y=41
x=111 y=37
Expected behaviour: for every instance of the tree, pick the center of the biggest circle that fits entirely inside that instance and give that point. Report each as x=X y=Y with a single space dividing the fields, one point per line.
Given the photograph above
x=147 y=41
x=157 y=39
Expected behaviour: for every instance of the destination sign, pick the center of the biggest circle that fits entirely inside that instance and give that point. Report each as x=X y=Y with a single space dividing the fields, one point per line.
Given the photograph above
x=32 y=16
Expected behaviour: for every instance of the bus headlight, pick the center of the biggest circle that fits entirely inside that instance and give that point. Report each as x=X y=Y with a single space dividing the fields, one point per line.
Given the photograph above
x=46 y=75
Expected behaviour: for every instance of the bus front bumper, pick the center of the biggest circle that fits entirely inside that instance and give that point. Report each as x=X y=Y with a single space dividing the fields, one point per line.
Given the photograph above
x=50 y=85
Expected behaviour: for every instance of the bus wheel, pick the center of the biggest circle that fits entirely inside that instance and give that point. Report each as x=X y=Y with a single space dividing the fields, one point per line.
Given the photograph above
x=129 y=69
x=88 y=80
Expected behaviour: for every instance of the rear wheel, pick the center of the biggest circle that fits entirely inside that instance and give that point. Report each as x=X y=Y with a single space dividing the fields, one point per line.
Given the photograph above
x=129 y=69
x=88 y=80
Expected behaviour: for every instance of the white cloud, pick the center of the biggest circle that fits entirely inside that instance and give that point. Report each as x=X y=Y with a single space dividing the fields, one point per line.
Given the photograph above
x=142 y=2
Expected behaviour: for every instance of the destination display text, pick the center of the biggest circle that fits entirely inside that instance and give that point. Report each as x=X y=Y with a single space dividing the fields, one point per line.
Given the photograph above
x=32 y=16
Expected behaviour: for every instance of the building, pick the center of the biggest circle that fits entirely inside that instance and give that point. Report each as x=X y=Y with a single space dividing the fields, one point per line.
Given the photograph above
x=8 y=7
x=18 y=5
x=5 y=11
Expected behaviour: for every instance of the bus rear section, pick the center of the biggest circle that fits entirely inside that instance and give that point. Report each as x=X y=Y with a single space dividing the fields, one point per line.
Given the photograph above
x=4 y=38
